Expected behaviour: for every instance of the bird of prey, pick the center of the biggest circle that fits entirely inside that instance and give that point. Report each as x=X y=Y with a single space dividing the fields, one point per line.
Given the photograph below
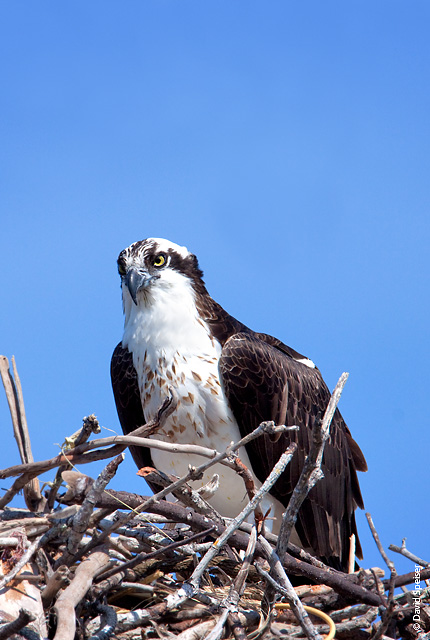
x=228 y=379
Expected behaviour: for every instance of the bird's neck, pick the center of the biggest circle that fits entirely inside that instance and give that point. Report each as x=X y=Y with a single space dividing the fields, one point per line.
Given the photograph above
x=166 y=324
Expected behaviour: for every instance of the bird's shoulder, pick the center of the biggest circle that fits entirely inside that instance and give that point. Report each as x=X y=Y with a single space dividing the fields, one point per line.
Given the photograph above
x=266 y=379
x=269 y=357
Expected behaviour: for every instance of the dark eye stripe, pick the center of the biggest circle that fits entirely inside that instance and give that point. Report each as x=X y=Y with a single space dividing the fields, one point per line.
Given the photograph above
x=121 y=266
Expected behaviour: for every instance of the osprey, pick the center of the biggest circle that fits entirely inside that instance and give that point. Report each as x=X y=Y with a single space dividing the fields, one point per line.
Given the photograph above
x=228 y=379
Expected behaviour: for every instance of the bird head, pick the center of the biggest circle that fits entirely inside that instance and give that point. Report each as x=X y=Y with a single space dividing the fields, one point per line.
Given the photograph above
x=152 y=266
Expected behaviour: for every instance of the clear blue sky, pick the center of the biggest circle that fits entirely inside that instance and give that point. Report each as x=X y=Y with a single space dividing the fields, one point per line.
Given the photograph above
x=285 y=143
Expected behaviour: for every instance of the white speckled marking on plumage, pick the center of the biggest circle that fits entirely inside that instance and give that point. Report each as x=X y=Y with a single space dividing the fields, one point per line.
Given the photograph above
x=306 y=362
x=164 y=333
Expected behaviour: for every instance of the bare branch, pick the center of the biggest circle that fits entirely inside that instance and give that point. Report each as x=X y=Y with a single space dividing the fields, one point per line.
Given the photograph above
x=388 y=613
x=73 y=594
x=28 y=554
x=80 y=520
x=141 y=557
x=82 y=454
x=411 y=556
x=11 y=628
x=185 y=494
x=13 y=389
x=278 y=573
x=388 y=562
x=59 y=579
x=90 y=425
x=187 y=590
x=160 y=569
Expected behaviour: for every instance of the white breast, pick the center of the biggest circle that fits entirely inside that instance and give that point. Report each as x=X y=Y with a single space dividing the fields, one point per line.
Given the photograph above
x=171 y=346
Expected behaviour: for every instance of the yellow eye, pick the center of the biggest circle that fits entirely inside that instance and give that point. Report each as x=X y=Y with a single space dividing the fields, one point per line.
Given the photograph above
x=121 y=269
x=159 y=260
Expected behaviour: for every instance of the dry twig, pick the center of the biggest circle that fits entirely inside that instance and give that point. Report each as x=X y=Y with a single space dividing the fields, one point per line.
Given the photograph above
x=169 y=580
x=11 y=628
x=73 y=594
x=13 y=390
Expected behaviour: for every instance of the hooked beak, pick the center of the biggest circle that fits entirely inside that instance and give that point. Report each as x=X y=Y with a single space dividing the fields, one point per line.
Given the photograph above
x=135 y=280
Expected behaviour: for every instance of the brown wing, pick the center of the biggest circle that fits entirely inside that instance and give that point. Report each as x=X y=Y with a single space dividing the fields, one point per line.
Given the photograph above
x=255 y=369
x=127 y=399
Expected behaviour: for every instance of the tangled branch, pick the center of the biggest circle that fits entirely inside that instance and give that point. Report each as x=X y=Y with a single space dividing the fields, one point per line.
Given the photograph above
x=108 y=563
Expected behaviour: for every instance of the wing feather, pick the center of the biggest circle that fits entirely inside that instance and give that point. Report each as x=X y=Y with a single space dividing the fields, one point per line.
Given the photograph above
x=127 y=399
x=264 y=380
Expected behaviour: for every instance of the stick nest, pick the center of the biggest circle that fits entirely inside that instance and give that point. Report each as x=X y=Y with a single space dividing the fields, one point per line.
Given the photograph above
x=90 y=562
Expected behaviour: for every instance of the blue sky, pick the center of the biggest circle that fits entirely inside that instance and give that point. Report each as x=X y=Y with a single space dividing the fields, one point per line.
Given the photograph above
x=285 y=143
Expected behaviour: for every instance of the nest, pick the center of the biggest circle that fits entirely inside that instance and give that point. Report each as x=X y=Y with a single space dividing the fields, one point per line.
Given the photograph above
x=97 y=563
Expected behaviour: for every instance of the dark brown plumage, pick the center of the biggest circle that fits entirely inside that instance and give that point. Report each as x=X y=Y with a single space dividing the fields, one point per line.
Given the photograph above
x=263 y=380
x=326 y=519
